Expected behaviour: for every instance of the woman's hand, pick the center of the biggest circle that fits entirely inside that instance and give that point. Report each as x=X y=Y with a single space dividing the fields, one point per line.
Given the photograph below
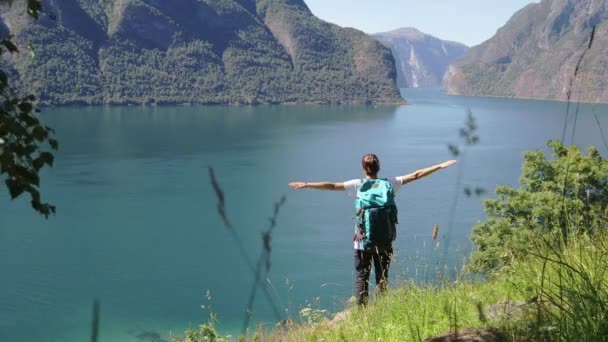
x=447 y=164
x=297 y=185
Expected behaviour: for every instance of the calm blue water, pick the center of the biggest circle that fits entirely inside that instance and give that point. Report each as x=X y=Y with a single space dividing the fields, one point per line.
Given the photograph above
x=137 y=227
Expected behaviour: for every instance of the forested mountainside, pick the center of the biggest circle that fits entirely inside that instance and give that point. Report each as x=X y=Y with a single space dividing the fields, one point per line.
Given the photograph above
x=535 y=54
x=421 y=59
x=194 y=51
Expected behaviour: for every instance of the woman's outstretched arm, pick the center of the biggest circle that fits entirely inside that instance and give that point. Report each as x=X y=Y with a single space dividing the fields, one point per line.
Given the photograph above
x=317 y=185
x=426 y=171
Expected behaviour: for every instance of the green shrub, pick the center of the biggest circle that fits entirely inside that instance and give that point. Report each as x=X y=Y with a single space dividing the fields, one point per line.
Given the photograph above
x=568 y=193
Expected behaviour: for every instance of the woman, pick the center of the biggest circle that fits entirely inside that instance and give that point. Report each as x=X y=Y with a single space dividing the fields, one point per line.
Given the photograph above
x=363 y=257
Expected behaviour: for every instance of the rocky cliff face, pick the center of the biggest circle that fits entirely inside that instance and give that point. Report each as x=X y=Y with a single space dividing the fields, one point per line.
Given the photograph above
x=535 y=54
x=421 y=59
x=195 y=51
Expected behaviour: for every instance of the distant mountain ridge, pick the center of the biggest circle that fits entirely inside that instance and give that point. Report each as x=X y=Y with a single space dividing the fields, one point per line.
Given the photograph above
x=195 y=51
x=421 y=59
x=535 y=54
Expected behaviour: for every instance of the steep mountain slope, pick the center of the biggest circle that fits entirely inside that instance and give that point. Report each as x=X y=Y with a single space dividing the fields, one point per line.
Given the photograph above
x=195 y=51
x=534 y=55
x=421 y=59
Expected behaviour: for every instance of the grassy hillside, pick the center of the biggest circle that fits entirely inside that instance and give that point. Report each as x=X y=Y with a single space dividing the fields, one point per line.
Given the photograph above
x=558 y=293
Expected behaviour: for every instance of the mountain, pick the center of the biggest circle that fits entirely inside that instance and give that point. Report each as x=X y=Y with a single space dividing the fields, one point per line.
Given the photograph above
x=194 y=51
x=535 y=54
x=421 y=59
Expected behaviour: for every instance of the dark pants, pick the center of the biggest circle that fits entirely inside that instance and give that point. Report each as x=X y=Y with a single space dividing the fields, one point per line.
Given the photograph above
x=363 y=268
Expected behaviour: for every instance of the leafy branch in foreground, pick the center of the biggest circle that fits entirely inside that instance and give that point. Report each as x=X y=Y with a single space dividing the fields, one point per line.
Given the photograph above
x=207 y=331
x=23 y=137
x=263 y=262
x=469 y=136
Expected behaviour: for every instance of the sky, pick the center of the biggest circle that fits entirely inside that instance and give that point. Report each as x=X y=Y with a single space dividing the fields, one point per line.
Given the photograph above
x=466 y=21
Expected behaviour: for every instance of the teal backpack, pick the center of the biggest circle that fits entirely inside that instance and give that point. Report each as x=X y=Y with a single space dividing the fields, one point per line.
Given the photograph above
x=376 y=214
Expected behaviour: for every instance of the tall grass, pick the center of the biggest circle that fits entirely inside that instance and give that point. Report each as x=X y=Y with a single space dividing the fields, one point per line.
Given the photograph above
x=569 y=279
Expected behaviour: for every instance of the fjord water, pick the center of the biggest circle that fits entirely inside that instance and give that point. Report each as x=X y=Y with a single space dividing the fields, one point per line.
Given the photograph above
x=137 y=224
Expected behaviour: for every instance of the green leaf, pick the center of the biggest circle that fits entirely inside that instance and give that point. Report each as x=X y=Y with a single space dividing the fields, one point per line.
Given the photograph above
x=467 y=191
x=54 y=144
x=463 y=133
x=14 y=188
x=26 y=107
x=10 y=46
x=39 y=133
x=38 y=163
x=3 y=80
x=30 y=121
x=480 y=191
x=48 y=158
x=26 y=175
x=31 y=51
x=454 y=150
x=34 y=7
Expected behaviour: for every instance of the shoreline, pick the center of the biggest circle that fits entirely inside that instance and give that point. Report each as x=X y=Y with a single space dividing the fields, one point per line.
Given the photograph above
x=402 y=102
x=528 y=98
x=220 y=104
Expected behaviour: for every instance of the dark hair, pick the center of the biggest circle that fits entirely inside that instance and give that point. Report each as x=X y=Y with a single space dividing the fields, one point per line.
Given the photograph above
x=370 y=164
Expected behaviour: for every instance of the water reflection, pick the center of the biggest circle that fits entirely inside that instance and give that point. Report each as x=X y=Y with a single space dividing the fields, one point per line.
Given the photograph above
x=146 y=132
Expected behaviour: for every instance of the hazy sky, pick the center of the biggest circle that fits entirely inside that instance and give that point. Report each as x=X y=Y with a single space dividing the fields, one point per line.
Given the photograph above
x=467 y=21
